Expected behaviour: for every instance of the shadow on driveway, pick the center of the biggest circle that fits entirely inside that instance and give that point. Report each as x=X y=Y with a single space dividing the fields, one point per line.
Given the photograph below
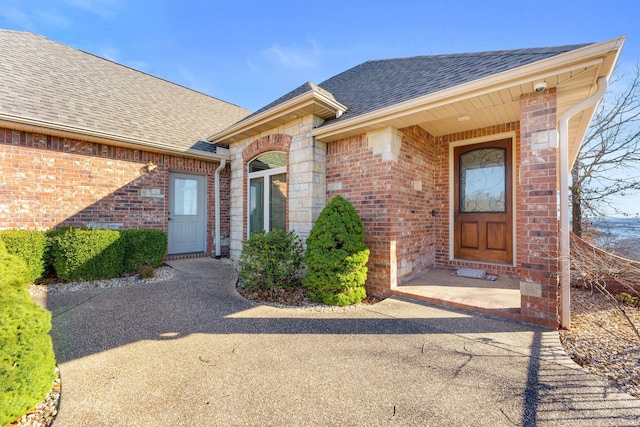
x=191 y=351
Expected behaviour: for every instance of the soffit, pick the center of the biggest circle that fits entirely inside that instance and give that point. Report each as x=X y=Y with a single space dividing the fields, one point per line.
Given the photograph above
x=497 y=103
x=313 y=101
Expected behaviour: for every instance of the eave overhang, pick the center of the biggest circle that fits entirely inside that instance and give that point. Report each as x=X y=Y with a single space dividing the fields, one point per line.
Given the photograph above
x=316 y=102
x=91 y=135
x=495 y=99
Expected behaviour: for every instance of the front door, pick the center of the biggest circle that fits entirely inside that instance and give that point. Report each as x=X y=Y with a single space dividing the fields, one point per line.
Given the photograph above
x=483 y=202
x=186 y=213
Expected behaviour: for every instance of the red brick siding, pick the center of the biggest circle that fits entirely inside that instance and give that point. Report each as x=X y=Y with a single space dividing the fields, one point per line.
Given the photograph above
x=49 y=181
x=365 y=181
x=413 y=225
x=537 y=202
x=383 y=194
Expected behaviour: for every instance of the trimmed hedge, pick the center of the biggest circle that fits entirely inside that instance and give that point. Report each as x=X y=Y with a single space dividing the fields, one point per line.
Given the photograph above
x=87 y=254
x=336 y=256
x=143 y=247
x=80 y=254
x=271 y=260
x=27 y=362
x=31 y=246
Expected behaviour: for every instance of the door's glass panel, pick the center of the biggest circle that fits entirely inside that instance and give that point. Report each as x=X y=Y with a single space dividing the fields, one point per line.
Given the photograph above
x=256 y=204
x=278 y=201
x=270 y=160
x=483 y=180
x=186 y=196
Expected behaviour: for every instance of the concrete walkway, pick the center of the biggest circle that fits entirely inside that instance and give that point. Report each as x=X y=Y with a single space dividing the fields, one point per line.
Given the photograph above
x=191 y=351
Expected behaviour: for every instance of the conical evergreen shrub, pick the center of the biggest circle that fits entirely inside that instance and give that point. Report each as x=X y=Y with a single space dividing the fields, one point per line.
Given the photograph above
x=336 y=255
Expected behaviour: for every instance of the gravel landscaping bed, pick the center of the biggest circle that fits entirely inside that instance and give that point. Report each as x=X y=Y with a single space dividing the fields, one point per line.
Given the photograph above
x=602 y=341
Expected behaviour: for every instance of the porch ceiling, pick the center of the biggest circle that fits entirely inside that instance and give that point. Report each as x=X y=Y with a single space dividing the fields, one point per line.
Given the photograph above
x=503 y=106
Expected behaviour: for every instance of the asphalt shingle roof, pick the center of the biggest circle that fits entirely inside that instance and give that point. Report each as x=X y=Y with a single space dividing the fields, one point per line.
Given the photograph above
x=44 y=80
x=377 y=84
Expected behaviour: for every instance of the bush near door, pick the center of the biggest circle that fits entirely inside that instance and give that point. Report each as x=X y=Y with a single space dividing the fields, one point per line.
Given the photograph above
x=336 y=256
x=143 y=247
x=271 y=260
x=87 y=254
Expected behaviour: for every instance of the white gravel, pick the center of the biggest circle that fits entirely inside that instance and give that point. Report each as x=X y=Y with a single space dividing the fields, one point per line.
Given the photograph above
x=161 y=274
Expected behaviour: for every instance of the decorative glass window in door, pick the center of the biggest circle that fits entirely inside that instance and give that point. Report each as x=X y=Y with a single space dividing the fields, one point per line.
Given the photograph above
x=483 y=180
x=267 y=190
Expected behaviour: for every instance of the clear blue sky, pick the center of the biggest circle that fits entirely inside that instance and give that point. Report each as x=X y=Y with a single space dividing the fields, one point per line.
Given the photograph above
x=252 y=52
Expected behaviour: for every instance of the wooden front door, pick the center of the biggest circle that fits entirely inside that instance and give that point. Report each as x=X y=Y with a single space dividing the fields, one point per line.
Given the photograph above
x=483 y=202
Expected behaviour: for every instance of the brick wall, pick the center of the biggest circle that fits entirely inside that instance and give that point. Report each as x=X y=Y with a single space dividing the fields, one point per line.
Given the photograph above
x=393 y=198
x=49 y=181
x=354 y=172
x=537 y=217
x=413 y=186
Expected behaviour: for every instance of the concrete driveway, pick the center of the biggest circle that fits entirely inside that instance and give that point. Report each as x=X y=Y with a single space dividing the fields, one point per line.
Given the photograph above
x=191 y=351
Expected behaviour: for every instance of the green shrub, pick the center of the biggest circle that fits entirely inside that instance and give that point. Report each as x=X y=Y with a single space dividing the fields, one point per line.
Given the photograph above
x=336 y=256
x=627 y=298
x=30 y=245
x=87 y=254
x=271 y=260
x=27 y=363
x=146 y=272
x=143 y=247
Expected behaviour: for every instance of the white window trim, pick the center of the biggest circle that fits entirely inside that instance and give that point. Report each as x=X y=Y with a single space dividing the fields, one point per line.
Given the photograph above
x=266 y=193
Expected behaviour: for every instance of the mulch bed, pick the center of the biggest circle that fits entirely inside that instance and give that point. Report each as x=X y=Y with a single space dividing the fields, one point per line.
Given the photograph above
x=294 y=296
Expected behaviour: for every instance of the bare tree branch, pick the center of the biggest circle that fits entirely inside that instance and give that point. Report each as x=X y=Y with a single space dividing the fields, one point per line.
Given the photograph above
x=608 y=164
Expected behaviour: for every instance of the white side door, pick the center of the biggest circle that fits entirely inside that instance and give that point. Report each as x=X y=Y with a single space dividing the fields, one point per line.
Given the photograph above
x=187 y=213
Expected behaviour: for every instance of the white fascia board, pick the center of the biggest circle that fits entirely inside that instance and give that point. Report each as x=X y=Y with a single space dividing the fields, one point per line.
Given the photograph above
x=580 y=58
x=14 y=122
x=302 y=100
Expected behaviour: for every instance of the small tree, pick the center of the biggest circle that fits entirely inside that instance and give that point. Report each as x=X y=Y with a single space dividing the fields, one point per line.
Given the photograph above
x=336 y=255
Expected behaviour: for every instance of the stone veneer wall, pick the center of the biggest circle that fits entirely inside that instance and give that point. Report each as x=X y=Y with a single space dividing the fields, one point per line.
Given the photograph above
x=306 y=176
x=49 y=181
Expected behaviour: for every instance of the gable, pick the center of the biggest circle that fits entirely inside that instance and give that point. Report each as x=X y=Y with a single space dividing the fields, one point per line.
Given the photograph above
x=377 y=84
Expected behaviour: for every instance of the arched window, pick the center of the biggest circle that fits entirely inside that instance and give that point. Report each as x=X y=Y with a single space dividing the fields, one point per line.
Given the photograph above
x=267 y=192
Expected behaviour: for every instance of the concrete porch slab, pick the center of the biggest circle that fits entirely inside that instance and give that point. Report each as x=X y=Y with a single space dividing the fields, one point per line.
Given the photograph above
x=439 y=286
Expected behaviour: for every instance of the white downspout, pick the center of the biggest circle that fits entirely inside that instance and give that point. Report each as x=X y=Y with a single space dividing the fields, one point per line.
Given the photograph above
x=565 y=273
x=223 y=163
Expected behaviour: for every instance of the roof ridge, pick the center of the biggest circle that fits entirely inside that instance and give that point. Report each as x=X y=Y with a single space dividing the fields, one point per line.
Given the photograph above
x=502 y=52
x=149 y=75
x=31 y=34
